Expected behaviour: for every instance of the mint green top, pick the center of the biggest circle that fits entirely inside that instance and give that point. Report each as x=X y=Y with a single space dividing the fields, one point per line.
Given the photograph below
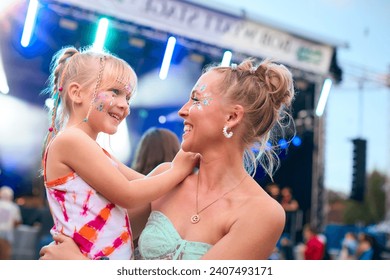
x=161 y=241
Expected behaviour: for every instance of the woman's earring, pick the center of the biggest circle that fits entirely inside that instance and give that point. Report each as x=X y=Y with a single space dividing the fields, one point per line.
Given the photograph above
x=225 y=133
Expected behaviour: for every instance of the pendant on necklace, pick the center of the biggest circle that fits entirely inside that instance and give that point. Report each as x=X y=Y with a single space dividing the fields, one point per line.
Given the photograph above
x=195 y=219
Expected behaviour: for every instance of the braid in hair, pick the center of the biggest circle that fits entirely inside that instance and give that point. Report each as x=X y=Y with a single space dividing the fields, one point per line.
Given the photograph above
x=59 y=69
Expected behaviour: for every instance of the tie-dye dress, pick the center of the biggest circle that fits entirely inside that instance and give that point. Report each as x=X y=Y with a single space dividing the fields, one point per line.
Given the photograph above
x=99 y=227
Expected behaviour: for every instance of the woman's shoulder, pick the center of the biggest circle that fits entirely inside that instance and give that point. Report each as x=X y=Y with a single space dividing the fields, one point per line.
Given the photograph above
x=260 y=205
x=162 y=167
x=262 y=217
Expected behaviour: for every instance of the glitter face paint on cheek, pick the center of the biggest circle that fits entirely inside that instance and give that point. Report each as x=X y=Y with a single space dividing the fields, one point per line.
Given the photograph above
x=102 y=99
x=206 y=100
x=206 y=97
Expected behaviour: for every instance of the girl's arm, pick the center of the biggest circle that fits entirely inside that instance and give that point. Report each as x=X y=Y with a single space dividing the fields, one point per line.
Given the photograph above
x=82 y=154
x=139 y=216
x=128 y=172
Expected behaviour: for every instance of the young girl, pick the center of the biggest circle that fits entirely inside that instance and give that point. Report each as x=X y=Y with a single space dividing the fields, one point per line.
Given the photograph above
x=86 y=186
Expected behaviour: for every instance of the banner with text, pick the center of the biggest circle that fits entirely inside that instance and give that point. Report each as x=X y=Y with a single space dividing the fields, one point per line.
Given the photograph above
x=216 y=28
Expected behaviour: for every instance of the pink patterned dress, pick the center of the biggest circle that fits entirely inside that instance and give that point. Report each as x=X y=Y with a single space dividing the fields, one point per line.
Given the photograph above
x=99 y=227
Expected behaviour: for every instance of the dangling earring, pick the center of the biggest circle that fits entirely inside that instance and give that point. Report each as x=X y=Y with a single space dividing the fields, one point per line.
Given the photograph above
x=225 y=133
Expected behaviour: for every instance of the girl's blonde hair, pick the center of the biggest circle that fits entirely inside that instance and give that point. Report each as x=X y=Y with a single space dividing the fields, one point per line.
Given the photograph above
x=266 y=92
x=91 y=69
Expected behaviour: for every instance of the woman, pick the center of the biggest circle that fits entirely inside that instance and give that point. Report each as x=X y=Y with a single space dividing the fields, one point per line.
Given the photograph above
x=219 y=212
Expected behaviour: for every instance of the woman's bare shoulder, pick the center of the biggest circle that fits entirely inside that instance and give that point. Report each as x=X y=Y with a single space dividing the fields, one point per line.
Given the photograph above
x=260 y=206
x=162 y=167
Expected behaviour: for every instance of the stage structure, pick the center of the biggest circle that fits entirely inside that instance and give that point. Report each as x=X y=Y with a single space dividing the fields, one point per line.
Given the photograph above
x=140 y=30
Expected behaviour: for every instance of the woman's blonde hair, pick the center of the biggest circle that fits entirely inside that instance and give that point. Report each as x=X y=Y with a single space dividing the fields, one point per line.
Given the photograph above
x=266 y=92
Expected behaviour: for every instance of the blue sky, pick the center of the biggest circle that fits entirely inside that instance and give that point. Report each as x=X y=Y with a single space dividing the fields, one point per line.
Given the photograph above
x=351 y=112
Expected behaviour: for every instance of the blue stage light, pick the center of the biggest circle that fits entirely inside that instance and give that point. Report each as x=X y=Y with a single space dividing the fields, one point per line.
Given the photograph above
x=297 y=141
x=283 y=143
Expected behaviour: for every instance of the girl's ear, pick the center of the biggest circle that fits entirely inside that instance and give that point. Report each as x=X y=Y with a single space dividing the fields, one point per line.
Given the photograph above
x=235 y=116
x=74 y=92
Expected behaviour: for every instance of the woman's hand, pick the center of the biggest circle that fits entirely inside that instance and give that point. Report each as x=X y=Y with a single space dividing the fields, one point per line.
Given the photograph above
x=64 y=248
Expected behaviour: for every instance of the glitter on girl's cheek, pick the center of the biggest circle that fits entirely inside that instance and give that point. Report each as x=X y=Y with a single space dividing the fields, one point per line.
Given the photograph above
x=100 y=107
x=101 y=99
x=128 y=88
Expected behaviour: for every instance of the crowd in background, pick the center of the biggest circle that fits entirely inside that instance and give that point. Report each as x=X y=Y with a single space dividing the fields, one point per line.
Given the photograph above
x=312 y=244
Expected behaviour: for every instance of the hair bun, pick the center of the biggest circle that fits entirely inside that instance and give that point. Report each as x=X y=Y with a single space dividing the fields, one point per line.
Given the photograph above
x=278 y=80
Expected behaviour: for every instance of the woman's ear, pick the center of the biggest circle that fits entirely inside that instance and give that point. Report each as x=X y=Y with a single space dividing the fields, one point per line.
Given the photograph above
x=74 y=92
x=235 y=116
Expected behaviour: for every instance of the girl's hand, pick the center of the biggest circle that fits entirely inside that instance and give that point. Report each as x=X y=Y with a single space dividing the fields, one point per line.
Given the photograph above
x=185 y=162
x=64 y=248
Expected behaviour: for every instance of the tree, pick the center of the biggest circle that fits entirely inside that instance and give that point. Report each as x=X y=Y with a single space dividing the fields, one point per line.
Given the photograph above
x=372 y=209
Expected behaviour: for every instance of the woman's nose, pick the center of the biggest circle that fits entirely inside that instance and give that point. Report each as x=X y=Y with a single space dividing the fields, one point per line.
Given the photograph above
x=183 y=110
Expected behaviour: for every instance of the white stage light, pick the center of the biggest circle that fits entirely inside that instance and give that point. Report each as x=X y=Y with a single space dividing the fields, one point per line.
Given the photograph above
x=101 y=34
x=29 y=24
x=323 y=97
x=227 y=57
x=4 y=88
x=167 y=58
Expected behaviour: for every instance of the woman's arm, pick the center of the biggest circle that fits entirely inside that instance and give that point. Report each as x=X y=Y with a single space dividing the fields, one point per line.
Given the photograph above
x=253 y=236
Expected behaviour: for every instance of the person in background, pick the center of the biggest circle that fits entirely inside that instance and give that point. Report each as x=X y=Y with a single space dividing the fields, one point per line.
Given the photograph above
x=290 y=206
x=273 y=190
x=289 y=203
x=10 y=218
x=157 y=145
x=368 y=247
x=349 y=246
x=219 y=211
x=314 y=247
x=88 y=189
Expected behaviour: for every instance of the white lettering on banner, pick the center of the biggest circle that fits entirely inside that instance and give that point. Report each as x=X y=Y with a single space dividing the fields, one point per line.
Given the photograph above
x=216 y=28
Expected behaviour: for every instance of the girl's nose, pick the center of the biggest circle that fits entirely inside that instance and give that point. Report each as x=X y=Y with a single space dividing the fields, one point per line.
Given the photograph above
x=122 y=102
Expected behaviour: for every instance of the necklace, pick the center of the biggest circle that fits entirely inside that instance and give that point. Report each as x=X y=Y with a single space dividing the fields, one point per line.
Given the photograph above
x=196 y=218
